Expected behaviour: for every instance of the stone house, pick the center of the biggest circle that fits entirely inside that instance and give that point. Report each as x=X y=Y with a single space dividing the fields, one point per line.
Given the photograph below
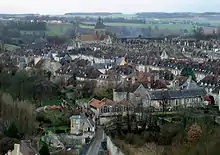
x=111 y=109
x=133 y=92
x=81 y=124
x=176 y=98
x=135 y=88
x=108 y=80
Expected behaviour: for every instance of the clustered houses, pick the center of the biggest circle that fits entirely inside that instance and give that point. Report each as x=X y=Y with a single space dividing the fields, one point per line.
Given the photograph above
x=129 y=65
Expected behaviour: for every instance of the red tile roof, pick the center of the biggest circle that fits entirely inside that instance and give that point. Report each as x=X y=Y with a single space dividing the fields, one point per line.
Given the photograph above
x=123 y=102
x=89 y=37
x=98 y=104
x=95 y=103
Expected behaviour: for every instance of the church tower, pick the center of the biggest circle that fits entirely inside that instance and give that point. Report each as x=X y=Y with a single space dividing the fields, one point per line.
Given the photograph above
x=100 y=28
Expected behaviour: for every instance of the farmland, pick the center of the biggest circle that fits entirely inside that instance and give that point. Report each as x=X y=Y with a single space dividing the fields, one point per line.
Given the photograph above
x=163 y=24
x=57 y=29
x=160 y=26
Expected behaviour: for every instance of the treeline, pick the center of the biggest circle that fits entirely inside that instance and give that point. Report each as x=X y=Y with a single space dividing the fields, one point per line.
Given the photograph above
x=115 y=20
x=93 y=13
x=163 y=15
x=27 y=26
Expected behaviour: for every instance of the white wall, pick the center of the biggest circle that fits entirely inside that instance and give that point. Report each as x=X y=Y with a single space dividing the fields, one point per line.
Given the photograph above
x=113 y=150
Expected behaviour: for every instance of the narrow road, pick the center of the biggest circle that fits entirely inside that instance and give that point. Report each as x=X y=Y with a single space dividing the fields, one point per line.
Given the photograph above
x=96 y=143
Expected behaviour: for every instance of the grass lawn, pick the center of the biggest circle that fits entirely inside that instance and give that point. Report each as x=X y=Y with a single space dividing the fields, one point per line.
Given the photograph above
x=57 y=29
x=54 y=129
x=87 y=27
x=51 y=102
x=160 y=26
x=11 y=47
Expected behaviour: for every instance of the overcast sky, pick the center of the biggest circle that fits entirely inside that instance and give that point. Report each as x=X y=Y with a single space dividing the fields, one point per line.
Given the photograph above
x=126 y=6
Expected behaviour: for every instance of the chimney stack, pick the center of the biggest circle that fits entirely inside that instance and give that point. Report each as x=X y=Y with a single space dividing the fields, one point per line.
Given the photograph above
x=219 y=100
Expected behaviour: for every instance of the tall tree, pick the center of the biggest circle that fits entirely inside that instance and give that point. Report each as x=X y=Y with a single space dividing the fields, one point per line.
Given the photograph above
x=188 y=71
x=44 y=150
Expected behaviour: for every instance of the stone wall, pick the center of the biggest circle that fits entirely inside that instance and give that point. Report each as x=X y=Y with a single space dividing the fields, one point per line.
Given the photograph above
x=113 y=150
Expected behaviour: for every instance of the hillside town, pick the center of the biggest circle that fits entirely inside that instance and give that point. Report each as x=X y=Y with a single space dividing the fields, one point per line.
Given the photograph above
x=99 y=94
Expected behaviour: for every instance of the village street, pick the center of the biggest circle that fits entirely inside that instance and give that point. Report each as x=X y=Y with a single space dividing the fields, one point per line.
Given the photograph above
x=96 y=143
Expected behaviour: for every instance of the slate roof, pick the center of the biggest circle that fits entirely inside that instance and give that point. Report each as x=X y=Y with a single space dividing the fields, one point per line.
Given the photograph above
x=88 y=72
x=216 y=90
x=190 y=85
x=125 y=69
x=211 y=66
x=209 y=80
x=125 y=87
x=177 y=94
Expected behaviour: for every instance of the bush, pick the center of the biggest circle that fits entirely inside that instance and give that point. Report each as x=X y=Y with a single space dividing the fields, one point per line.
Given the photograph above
x=138 y=140
x=165 y=140
x=150 y=136
x=130 y=138
x=168 y=131
x=42 y=118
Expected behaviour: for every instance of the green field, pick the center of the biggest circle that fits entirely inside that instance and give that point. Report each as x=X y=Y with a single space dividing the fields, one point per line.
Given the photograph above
x=57 y=29
x=160 y=26
x=10 y=47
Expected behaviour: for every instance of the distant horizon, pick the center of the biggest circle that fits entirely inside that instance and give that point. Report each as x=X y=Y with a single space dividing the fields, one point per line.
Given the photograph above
x=51 y=7
x=89 y=12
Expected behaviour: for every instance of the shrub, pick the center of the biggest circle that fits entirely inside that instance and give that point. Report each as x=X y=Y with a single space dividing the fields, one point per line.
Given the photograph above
x=130 y=138
x=150 y=136
x=42 y=118
x=168 y=131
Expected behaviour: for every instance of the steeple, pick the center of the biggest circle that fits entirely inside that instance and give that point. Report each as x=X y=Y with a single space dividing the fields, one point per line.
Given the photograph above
x=99 y=25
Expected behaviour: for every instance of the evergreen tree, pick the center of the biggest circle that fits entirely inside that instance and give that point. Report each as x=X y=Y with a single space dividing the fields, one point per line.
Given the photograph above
x=44 y=150
x=12 y=131
x=188 y=71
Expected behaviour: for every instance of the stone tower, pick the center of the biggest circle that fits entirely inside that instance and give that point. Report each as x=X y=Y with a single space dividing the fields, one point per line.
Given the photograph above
x=100 y=28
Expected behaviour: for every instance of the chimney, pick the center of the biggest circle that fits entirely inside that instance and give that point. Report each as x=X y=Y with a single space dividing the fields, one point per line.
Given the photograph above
x=156 y=76
x=149 y=82
x=219 y=100
x=17 y=148
x=133 y=80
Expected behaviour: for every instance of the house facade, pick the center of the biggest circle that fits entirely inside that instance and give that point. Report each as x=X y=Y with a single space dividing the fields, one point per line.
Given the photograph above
x=80 y=125
x=176 y=98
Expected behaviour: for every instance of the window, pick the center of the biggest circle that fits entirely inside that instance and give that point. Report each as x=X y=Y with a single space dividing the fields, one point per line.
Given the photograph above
x=130 y=108
x=106 y=109
x=116 y=109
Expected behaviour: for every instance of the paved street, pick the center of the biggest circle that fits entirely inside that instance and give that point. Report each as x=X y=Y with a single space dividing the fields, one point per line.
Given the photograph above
x=96 y=143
